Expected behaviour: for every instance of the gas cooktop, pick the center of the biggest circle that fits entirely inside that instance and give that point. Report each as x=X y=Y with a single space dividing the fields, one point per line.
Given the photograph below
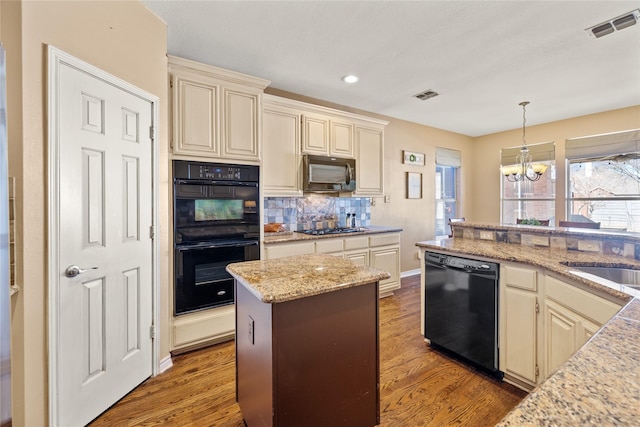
x=324 y=231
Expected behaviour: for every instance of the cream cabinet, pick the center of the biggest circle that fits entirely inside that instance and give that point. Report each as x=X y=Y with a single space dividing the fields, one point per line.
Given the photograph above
x=519 y=324
x=381 y=251
x=320 y=131
x=281 y=159
x=216 y=113
x=369 y=160
x=543 y=321
x=327 y=135
x=571 y=316
x=384 y=254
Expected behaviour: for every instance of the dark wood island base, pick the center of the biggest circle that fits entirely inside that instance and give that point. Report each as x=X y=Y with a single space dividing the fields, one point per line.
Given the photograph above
x=308 y=356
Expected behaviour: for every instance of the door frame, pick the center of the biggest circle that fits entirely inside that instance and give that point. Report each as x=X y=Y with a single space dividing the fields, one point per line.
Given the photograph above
x=56 y=57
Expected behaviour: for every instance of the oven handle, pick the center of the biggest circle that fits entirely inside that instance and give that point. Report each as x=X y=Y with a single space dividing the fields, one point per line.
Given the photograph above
x=217 y=245
x=213 y=182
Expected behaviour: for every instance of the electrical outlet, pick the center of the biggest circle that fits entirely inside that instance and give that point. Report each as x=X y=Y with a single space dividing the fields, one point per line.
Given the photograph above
x=251 y=331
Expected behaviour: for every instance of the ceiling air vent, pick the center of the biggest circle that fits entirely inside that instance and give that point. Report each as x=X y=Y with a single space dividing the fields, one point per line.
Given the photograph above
x=616 y=24
x=426 y=94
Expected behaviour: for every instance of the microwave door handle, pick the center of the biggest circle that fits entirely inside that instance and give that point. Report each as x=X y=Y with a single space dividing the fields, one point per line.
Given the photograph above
x=348 y=179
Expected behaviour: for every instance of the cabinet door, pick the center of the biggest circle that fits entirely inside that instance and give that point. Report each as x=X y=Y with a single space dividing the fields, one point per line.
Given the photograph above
x=196 y=129
x=281 y=152
x=315 y=134
x=387 y=259
x=369 y=161
x=341 y=139
x=562 y=331
x=358 y=257
x=520 y=331
x=240 y=124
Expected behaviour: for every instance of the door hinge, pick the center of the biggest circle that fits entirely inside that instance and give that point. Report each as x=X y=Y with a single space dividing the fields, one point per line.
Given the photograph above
x=537 y=307
x=171 y=82
x=152 y=133
x=152 y=233
x=152 y=332
x=537 y=371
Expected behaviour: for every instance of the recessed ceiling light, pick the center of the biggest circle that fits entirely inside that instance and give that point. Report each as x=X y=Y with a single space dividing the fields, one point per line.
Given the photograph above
x=350 y=78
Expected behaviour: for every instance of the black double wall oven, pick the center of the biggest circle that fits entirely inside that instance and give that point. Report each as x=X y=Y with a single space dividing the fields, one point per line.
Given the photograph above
x=216 y=222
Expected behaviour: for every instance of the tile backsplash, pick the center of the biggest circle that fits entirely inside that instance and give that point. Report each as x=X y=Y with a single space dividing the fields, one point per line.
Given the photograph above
x=313 y=212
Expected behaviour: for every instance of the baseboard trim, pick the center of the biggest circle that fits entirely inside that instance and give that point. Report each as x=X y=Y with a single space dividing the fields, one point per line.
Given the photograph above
x=165 y=364
x=409 y=273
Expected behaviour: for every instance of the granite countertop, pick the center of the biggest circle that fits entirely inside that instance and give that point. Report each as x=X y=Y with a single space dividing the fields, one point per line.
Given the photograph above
x=550 y=259
x=286 y=279
x=600 y=384
x=280 y=237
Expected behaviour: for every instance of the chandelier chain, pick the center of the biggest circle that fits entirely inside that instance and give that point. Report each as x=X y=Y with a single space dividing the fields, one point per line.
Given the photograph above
x=524 y=121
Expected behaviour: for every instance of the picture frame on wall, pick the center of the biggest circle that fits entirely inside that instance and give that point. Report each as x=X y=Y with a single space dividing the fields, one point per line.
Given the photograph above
x=414 y=185
x=412 y=158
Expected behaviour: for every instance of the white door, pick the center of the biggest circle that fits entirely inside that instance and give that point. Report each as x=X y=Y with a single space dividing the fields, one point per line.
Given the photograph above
x=103 y=344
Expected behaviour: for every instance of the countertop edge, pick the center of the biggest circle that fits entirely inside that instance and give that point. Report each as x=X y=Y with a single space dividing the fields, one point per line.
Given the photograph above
x=301 y=276
x=300 y=237
x=508 y=252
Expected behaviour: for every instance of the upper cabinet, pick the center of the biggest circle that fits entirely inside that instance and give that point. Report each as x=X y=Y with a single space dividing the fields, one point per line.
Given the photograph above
x=369 y=160
x=281 y=159
x=216 y=113
x=327 y=136
x=319 y=131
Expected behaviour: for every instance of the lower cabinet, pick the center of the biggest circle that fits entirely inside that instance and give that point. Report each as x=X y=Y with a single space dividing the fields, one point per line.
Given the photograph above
x=571 y=317
x=543 y=321
x=381 y=251
x=519 y=325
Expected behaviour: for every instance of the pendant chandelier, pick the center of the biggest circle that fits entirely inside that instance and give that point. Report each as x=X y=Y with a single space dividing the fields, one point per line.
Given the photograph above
x=524 y=168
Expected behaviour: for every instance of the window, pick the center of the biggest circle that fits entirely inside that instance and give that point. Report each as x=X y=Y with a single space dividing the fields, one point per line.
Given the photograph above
x=529 y=199
x=447 y=165
x=604 y=180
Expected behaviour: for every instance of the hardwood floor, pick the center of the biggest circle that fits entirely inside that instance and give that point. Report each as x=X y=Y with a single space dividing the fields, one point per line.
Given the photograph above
x=418 y=386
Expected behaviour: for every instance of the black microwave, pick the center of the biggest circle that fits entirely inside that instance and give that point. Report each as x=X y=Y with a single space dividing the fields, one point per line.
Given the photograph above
x=327 y=174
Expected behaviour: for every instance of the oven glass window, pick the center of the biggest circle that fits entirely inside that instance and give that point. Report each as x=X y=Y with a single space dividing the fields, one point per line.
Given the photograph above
x=218 y=209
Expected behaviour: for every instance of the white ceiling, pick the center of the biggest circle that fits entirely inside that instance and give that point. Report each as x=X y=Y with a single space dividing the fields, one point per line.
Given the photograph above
x=482 y=57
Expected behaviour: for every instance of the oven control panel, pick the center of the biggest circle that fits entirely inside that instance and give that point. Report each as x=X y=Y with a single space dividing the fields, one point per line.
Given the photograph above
x=217 y=172
x=214 y=171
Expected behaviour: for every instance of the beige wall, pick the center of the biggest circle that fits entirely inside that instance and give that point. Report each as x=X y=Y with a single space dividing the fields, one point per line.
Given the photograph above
x=122 y=38
x=485 y=182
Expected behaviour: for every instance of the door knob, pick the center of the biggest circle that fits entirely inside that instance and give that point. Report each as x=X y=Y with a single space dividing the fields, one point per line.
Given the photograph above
x=74 y=270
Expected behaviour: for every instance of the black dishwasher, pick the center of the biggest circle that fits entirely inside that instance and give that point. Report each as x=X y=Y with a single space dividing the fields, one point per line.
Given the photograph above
x=461 y=308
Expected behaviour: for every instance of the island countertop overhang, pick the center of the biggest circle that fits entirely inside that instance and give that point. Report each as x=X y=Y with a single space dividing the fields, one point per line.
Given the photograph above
x=286 y=279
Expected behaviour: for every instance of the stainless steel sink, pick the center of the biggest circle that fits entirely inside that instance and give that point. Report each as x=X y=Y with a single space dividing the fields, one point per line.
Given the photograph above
x=621 y=275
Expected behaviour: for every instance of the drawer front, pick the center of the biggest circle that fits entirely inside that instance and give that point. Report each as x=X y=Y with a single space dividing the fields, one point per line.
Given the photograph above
x=351 y=243
x=284 y=250
x=328 y=245
x=522 y=278
x=584 y=303
x=384 y=240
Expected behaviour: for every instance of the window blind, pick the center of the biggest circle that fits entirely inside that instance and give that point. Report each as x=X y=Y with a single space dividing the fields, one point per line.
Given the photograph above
x=602 y=146
x=543 y=152
x=448 y=157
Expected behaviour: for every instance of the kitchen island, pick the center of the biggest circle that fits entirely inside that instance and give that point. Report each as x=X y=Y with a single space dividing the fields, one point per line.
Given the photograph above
x=307 y=345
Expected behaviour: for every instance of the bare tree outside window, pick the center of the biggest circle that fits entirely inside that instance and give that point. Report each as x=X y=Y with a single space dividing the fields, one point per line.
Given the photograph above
x=606 y=191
